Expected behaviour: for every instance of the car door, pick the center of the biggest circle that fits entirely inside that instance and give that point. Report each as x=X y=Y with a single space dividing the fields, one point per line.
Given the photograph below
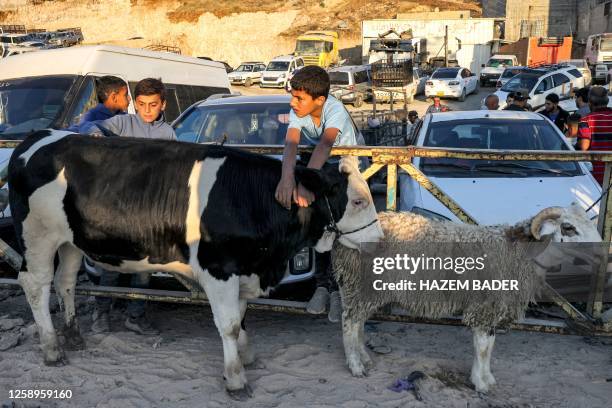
x=471 y=83
x=463 y=78
x=543 y=88
x=562 y=84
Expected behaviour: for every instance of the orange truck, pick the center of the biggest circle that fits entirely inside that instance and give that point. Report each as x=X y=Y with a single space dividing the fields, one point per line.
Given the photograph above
x=533 y=51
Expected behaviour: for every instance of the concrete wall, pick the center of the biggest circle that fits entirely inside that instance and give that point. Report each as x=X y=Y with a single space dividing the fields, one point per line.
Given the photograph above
x=547 y=18
x=435 y=15
x=592 y=19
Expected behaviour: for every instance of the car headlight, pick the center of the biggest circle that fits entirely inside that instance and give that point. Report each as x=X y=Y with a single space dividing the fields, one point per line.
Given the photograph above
x=453 y=83
x=4 y=199
x=429 y=214
x=301 y=261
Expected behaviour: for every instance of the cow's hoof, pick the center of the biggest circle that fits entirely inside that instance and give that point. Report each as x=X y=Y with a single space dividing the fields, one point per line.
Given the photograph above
x=74 y=342
x=242 y=394
x=60 y=361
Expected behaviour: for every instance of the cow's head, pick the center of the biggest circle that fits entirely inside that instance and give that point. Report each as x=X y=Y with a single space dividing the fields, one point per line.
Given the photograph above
x=350 y=202
x=562 y=225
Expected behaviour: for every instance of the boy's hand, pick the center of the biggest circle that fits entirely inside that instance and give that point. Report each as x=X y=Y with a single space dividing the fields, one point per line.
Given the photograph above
x=284 y=191
x=302 y=196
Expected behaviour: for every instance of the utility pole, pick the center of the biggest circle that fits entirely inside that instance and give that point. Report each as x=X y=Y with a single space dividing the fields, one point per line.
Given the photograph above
x=446 y=46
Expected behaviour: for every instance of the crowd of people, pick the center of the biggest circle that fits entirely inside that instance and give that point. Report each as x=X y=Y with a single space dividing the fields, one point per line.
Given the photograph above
x=589 y=128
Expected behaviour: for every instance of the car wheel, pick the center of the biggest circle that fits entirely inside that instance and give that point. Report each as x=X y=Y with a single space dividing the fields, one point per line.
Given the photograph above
x=358 y=101
x=462 y=97
x=248 y=82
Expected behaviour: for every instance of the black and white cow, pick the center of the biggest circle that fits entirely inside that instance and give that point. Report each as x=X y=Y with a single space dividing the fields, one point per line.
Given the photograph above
x=203 y=211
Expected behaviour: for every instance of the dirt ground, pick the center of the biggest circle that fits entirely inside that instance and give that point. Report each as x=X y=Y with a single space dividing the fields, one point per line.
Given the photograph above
x=300 y=363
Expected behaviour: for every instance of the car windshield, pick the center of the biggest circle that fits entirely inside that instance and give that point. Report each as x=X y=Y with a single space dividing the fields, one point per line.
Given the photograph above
x=310 y=46
x=339 y=78
x=501 y=134
x=445 y=74
x=249 y=123
x=244 y=68
x=509 y=73
x=277 y=66
x=29 y=104
x=523 y=80
x=606 y=44
x=496 y=62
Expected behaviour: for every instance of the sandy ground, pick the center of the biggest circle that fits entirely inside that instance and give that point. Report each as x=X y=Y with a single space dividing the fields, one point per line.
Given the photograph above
x=300 y=363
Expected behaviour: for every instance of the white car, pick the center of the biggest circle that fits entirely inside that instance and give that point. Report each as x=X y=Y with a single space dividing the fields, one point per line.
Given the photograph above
x=542 y=81
x=247 y=74
x=420 y=79
x=495 y=192
x=453 y=82
x=508 y=74
x=492 y=70
x=582 y=66
x=280 y=70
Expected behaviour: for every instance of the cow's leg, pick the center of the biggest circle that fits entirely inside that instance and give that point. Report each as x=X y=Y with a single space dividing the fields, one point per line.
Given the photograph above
x=351 y=323
x=70 y=259
x=481 y=368
x=246 y=354
x=36 y=283
x=225 y=304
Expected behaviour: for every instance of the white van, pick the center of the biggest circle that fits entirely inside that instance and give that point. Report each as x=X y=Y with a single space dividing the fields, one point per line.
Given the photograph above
x=280 y=70
x=55 y=88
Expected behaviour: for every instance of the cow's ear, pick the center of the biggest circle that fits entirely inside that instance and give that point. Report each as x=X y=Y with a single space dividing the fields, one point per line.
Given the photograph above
x=314 y=180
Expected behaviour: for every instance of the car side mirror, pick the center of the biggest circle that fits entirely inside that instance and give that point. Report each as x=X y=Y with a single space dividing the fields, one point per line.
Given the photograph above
x=538 y=92
x=482 y=66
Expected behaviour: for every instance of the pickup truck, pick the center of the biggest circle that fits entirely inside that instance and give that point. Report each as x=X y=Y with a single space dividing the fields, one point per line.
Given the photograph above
x=492 y=70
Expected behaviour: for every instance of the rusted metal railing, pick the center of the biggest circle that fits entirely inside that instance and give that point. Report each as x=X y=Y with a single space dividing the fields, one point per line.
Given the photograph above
x=394 y=157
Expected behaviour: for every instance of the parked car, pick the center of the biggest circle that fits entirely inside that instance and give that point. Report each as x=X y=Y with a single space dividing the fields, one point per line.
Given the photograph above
x=508 y=73
x=559 y=79
x=279 y=71
x=600 y=73
x=495 y=192
x=492 y=70
x=453 y=82
x=420 y=79
x=247 y=73
x=582 y=66
x=259 y=120
x=351 y=83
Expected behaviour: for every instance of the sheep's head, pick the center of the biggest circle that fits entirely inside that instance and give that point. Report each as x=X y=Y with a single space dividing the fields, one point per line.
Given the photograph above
x=555 y=225
x=564 y=224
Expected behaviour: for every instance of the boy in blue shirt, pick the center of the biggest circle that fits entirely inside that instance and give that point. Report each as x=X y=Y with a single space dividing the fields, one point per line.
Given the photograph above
x=319 y=120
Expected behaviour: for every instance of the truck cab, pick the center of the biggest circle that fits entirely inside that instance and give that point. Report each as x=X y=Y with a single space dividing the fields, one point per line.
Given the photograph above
x=598 y=49
x=318 y=48
x=495 y=66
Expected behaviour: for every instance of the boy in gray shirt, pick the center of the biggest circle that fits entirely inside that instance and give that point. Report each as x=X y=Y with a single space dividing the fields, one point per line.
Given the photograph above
x=148 y=122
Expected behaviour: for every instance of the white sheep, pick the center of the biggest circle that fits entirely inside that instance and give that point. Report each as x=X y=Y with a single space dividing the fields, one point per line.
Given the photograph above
x=483 y=315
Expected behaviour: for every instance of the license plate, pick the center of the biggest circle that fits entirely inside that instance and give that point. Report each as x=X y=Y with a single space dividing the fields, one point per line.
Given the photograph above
x=440 y=93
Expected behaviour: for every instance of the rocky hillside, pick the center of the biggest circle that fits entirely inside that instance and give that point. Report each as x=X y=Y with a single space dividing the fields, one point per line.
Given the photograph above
x=230 y=30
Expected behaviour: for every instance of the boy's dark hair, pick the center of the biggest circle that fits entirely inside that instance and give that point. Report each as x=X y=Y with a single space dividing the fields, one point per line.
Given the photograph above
x=552 y=97
x=150 y=86
x=583 y=93
x=106 y=85
x=313 y=80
